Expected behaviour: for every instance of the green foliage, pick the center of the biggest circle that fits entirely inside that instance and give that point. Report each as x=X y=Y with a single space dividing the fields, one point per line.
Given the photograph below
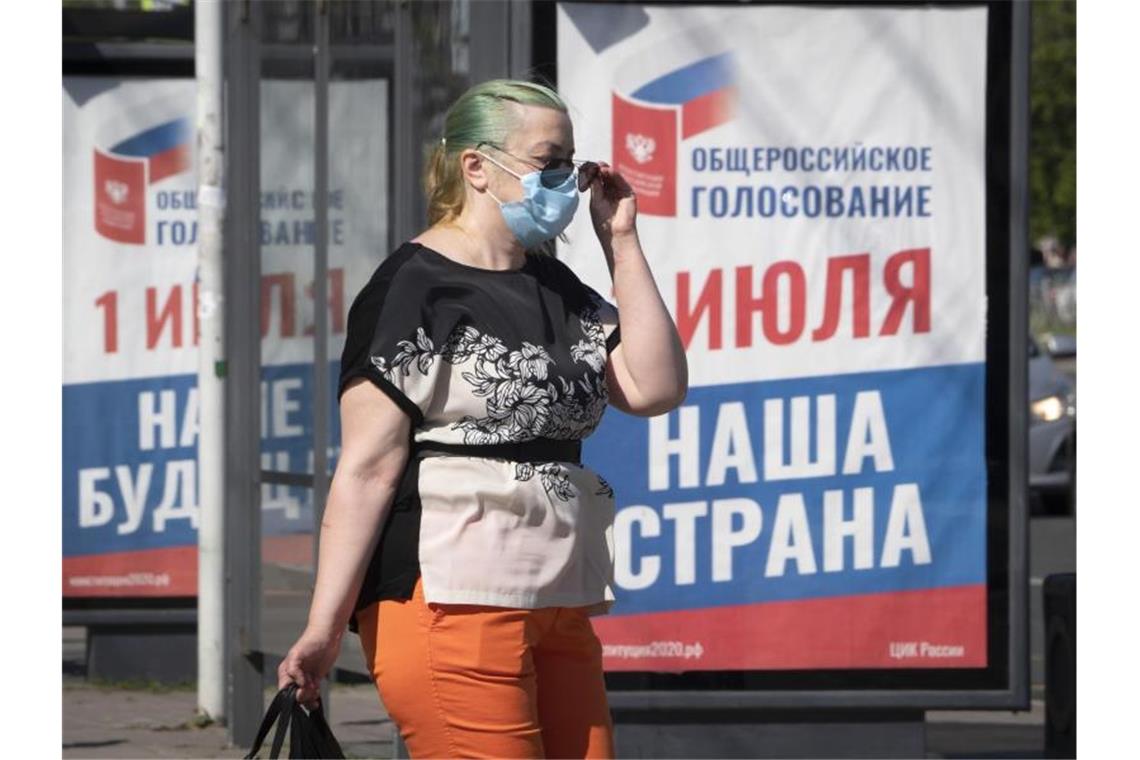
x=1053 y=121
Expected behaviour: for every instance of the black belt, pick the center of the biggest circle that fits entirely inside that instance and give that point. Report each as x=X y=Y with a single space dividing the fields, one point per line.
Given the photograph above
x=537 y=450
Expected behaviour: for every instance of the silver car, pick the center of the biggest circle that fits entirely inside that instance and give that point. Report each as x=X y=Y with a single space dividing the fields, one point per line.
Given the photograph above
x=1052 y=433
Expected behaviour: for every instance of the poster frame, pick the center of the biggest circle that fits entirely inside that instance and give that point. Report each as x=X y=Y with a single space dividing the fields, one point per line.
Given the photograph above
x=1004 y=682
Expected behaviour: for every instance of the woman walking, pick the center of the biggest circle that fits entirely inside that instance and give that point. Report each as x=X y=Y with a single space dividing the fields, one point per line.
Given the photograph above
x=463 y=540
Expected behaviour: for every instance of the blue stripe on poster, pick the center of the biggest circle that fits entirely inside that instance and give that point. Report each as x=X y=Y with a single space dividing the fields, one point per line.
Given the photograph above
x=915 y=464
x=130 y=446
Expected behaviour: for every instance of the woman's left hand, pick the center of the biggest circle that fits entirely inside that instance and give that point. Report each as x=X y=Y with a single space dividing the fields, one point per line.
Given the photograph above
x=307 y=663
x=613 y=205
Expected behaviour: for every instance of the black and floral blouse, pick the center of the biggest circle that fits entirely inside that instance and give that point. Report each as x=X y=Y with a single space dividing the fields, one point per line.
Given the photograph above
x=481 y=356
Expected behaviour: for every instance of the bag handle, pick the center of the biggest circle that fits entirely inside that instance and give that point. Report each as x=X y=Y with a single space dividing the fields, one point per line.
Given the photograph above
x=309 y=732
x=281 y=707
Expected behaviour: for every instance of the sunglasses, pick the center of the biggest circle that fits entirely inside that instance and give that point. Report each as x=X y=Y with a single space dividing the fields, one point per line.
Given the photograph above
x=556 y=171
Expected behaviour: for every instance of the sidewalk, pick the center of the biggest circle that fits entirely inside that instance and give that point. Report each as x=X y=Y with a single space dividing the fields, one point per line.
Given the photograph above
x=140 y=721
x=136 y=723
x=125 y=721
x=102 y=722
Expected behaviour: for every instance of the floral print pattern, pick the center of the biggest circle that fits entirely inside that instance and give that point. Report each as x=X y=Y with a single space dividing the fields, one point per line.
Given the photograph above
x=554 y=477
x=524 y=398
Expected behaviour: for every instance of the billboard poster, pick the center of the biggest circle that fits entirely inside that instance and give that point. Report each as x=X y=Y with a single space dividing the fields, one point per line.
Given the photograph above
x=130 y=402
x=811 y=199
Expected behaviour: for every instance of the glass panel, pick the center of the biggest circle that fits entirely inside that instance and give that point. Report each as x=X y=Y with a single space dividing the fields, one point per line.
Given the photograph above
x=440 y=73
x=360 y=115
x=288 y=22
x=288 y=234
x=361 y=23
x=360 y=89
x=288 y=237
x=362 y=69
x=287 y=567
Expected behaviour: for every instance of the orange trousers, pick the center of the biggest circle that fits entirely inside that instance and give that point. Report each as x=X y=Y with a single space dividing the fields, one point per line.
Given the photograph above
x=469 y=680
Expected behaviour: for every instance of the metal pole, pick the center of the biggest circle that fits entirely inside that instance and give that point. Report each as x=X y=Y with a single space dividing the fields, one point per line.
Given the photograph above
x=1019 y=361
x=208 y=25
x=245 y=661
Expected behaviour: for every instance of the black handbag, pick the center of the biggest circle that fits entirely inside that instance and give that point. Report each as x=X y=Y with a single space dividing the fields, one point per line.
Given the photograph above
x=309 y=732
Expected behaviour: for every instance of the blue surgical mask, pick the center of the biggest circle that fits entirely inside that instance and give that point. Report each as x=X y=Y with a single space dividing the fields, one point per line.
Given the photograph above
x=543 y=212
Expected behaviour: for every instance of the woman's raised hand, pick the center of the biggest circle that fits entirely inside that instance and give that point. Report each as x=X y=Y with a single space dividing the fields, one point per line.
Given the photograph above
x=613 y=205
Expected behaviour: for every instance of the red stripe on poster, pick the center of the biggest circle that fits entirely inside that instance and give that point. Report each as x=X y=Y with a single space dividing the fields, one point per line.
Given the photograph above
x=707 y=111
x=166 y=572
x=148 y=572
x=169 y=163
x=928 y=628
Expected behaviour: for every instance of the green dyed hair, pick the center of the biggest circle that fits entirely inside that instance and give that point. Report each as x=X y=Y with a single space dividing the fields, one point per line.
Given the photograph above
x=481 y=114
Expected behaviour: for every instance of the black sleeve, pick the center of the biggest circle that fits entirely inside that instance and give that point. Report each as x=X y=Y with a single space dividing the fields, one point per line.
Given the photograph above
x=386 y=343
x=607 y=315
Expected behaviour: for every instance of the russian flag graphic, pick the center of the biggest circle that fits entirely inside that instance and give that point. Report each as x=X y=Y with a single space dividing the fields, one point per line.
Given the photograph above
x=650 y=121
x=123 y=172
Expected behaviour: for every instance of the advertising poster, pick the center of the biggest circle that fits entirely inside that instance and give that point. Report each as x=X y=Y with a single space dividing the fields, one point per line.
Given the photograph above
x=130 y=402
x=811 y=199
